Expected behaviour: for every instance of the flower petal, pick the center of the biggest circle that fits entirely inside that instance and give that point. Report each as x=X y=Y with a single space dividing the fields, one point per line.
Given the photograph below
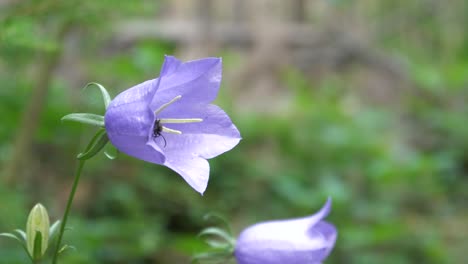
x=128 y=113
x=132 y=119
x=329 y=232
x=193 y=169
x=140 y=93
x=197 y=81
x=303 y=240
x=213 y=136
x=321 y=214
x=128 y=120
x=170 y=65
x=138 y=148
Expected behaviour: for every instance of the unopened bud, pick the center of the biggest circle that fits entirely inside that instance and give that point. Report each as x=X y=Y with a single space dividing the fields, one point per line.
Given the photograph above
x=38 y=223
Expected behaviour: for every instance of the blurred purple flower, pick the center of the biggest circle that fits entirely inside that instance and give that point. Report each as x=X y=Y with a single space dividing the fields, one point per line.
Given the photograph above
x=170 y=121
x=297 y=241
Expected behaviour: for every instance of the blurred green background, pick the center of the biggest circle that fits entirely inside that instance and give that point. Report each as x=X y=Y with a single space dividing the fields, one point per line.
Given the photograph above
x=363 y=101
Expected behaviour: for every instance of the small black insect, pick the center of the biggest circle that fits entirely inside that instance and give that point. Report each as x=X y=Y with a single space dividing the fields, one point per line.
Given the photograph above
x=158 y=129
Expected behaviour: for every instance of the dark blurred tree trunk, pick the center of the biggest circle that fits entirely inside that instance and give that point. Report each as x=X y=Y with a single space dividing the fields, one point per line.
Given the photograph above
x=203 y=42
x=31 y=117
x=205 y=16
x=238 y=11
x=299 y=11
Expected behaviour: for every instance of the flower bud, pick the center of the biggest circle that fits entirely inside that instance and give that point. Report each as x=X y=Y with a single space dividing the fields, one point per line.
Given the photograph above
x=38 y=223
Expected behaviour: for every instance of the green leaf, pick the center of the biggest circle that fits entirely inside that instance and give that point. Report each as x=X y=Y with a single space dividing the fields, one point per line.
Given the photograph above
x=85 y=118
x=218 y=218
x=105 y=95
x=218 y=232
x=12 y=236
x=17 y=239
x=95 y=145
x=37 y=249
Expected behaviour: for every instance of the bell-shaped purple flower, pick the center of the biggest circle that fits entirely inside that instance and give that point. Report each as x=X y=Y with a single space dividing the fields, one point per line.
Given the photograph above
x=296 y=241
x=170 y=121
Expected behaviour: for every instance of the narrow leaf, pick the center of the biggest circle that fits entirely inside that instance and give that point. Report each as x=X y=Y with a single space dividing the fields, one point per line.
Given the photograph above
x=17 y=239
x=85 y=118
x=65 y=248
x=21 y=233
x=105 y=95
x=97 y=143
x=94 y=139
x=12 y=236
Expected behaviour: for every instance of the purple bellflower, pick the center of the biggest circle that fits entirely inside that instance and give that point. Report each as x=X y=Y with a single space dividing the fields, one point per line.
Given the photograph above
x=170 y=120
x=296 y=241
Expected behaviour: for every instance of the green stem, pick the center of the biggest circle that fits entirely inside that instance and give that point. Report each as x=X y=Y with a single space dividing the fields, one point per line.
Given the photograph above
x=67 y=210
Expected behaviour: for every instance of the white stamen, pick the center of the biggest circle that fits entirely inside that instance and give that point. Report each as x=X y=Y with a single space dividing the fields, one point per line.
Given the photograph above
x=167 y=104
x=173 y=131
x=179 y=120
x=174 y=120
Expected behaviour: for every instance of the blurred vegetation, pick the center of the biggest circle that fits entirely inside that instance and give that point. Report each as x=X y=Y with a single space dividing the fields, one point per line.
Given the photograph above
x=397 y=171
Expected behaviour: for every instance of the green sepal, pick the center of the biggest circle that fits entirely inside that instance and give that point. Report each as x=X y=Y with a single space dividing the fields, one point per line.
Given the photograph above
x=214 y=243
x=214 y=217
x=37 y=251
x=85 y=118
x=220 y=240
x=105 y=95
x=97 y=143
x=22 y=234
x=111 y=152
x=53 y=230
x=218 y=232
x=65 y=248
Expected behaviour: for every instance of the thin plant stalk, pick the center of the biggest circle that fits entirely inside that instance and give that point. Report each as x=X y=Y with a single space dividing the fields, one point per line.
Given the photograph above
x=67 y=210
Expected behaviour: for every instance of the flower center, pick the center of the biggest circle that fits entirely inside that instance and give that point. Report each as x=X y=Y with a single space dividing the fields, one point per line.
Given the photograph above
x=158 y=123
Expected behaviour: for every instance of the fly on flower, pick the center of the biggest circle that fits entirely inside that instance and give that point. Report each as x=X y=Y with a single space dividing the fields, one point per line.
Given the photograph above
x=158 y=127
x=171 y=121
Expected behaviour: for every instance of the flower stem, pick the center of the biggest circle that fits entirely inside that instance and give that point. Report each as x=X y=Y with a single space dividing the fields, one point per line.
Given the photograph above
x=67 y=210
